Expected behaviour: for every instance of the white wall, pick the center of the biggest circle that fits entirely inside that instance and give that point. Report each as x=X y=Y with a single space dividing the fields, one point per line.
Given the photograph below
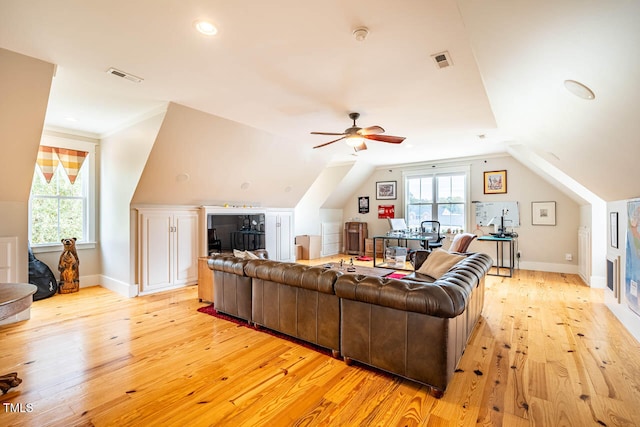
x=541 y=247
x=122 y=158
x=619 y=306
x=307 y=212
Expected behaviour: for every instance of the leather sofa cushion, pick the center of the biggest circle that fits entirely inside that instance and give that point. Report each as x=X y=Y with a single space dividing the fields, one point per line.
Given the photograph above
x=301 y=276
x=478 y=263
x=445 y=298
x=228 y=264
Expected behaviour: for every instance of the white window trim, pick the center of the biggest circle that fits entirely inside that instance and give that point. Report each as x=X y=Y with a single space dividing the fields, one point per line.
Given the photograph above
x=73 y=142
x=430 y=171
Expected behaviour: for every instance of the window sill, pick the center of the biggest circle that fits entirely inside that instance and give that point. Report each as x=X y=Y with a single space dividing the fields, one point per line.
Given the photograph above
x=57 y=247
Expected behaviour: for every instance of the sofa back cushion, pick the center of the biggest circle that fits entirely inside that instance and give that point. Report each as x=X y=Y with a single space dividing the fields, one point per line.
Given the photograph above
x=439 y=262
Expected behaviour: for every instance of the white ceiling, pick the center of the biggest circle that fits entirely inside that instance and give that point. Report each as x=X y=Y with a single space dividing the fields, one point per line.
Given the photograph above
x=290 y=67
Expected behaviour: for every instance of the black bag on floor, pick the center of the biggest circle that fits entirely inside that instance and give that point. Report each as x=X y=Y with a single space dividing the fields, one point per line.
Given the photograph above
x=41 y=275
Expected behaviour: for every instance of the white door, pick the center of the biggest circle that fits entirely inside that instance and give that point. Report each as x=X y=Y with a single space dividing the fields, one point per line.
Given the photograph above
x=286 y=236
x=279 y=235
x=271 y=235
x=185 y=230
x=156 y=250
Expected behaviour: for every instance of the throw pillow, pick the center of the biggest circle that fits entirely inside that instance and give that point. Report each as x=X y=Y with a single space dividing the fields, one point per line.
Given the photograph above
x=239 y=254
x=461 y=242
x=439 y=262
x=250 y=255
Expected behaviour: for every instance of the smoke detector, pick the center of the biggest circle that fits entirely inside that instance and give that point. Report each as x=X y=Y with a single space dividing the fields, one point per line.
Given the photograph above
x=361 y=33
x=124 y=75
x=442 y=59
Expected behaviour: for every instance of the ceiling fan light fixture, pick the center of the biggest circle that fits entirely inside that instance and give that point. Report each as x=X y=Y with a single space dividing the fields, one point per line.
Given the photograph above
x=354 y=140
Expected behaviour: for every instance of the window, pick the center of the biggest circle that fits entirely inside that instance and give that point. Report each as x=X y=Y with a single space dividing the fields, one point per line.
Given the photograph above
x=437 y=196
x=64 y=206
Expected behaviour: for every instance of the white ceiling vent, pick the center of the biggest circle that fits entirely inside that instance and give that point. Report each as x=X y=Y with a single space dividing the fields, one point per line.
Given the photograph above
x=443 y=59
x=124 y=75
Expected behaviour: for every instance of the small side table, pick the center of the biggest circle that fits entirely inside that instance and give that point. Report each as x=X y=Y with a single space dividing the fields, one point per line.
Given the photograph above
x=15 y=302
x=500 y=242
x=205 y=280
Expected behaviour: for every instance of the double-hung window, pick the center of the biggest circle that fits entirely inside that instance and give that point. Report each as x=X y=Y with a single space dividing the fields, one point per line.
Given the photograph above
x=61 y=204
x=441 y=196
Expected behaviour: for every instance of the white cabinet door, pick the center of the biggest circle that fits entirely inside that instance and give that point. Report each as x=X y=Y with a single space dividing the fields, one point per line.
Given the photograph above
x=168 y=248
x=271 y=235
x=156 y=246
x=279 y=235
x=186 y=248
x=286 y=236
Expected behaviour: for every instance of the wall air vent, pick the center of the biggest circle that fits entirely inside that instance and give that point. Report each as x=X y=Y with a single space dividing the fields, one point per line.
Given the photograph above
x=124 y=75
x=442 y=59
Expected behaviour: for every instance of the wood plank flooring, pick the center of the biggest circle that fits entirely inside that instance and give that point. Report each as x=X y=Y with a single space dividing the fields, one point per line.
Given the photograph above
x=546 y=353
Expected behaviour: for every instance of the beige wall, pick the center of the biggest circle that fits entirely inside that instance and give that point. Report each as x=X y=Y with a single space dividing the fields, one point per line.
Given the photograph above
x=201 y=159
x=542 y=247
x=123 y=156
x=24 y=92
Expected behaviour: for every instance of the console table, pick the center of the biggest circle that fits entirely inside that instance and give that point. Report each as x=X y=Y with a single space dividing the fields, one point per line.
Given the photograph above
x=401 y=239
x=500 y=242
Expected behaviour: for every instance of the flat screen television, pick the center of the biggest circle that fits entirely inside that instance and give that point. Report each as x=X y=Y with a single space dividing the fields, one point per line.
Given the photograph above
x=226 y=232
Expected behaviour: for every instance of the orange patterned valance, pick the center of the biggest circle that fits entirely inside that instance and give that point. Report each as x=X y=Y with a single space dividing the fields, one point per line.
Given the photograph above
x=49 y=157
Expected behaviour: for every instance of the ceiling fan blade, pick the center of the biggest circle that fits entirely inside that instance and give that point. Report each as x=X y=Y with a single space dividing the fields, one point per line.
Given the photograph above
x=330 y=142
x=371 y=130
x=360 y=147
x=327 y=133
x=385 y=138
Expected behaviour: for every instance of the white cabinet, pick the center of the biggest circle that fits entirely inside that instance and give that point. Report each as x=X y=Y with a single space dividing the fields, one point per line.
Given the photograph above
x=168 y=248
x=279 y=235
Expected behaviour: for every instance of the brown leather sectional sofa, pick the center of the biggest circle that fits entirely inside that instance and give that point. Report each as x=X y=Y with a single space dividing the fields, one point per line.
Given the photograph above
x=416 y=328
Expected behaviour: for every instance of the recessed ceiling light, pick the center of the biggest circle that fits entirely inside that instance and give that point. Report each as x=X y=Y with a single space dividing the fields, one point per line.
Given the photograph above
x=205 y=27
x=579 y=89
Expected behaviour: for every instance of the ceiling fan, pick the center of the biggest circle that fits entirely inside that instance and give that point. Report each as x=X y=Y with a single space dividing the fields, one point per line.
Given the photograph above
x=355 y=136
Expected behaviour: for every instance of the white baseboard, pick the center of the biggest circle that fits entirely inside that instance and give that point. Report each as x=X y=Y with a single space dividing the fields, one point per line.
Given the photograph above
x=118 y=286
x=628 y=318
x=91 y=280
x=599 y=282
x=545 y=266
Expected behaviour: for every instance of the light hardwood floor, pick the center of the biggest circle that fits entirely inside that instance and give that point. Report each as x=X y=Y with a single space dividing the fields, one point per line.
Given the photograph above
x=546 y=353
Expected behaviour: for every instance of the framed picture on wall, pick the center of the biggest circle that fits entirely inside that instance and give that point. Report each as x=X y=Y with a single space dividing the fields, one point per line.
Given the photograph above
x=613 y=227
x=386 y=211
x=386 y=190
x=495 y=182
x=543 y=213
x=363 y=204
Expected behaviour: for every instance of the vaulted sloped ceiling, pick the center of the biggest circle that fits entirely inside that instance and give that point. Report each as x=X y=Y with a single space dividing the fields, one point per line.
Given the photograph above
x=201 y=159
x=286 y=68
x=526 y=50
x=24 y=91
